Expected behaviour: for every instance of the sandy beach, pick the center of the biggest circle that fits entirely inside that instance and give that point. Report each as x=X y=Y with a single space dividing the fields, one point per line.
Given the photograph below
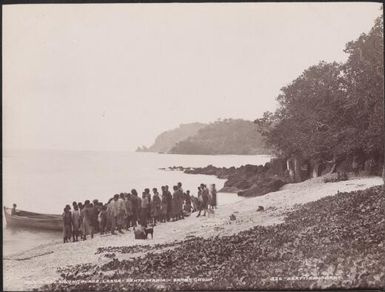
x=36 y=267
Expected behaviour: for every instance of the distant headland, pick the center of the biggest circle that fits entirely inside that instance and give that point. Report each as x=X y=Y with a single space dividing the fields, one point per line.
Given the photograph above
x=228 y=136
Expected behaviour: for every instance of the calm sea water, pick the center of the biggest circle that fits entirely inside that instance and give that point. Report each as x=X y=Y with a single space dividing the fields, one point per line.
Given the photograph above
x=45 y=181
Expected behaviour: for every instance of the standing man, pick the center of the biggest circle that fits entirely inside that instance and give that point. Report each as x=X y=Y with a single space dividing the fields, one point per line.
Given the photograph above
x=102 y=219
x=156 y=206
x=67 y=224
x=180 y=197
x=169 y=203
x=87 y=220
x=135 y=207
x=75 y=222
x=213 y=196
x=116 y=213
x=187 y=200
x=200 y=201
x=145 y=206
x=205 y=196
x=111 y=210
x=121 y=212
x=164 y=205
x=130 y=212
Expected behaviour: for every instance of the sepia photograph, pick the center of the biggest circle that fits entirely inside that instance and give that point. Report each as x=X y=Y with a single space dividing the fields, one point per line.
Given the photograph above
x=193 y=146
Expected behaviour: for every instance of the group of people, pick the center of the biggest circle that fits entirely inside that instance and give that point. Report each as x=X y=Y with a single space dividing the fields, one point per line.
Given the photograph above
x=126 y=210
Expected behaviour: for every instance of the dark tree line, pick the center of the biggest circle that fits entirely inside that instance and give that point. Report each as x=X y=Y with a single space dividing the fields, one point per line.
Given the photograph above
x=333 y=110
x=229 y=136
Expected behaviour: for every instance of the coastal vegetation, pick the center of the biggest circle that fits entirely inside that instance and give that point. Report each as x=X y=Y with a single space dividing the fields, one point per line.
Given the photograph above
x=334 y=112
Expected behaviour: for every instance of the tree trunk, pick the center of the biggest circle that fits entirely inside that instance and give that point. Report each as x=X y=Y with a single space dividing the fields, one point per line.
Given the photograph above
x=297 y=169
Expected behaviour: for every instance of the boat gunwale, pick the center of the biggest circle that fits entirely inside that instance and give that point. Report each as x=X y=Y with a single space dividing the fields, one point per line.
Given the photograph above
x=31 y=215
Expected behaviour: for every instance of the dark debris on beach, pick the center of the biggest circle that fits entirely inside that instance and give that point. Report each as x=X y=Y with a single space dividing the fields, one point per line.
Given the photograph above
x=139 y=248
x=341 y=236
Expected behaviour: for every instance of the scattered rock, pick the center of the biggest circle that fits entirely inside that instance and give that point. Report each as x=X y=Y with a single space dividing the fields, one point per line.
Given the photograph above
x=110 y=255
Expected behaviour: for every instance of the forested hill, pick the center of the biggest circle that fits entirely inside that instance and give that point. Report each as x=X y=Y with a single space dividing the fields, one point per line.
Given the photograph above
x=224 y=137
x=167 y=140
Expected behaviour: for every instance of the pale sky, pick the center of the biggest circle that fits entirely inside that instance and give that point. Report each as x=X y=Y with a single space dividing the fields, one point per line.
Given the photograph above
x=114 y=76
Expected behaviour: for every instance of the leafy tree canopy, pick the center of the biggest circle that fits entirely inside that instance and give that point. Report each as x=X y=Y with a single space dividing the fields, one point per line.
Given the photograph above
x=333 y=109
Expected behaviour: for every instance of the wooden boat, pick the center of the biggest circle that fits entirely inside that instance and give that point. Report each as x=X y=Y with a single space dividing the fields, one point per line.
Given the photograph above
x=33 y=220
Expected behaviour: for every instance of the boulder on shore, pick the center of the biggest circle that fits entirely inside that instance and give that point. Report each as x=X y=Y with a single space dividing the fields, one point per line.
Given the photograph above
x=263 y=187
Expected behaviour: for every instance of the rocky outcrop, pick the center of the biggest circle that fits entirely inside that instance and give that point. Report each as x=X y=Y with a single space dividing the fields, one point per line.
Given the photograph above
x=247 y=180
x=257 y=180
x=262 y=187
